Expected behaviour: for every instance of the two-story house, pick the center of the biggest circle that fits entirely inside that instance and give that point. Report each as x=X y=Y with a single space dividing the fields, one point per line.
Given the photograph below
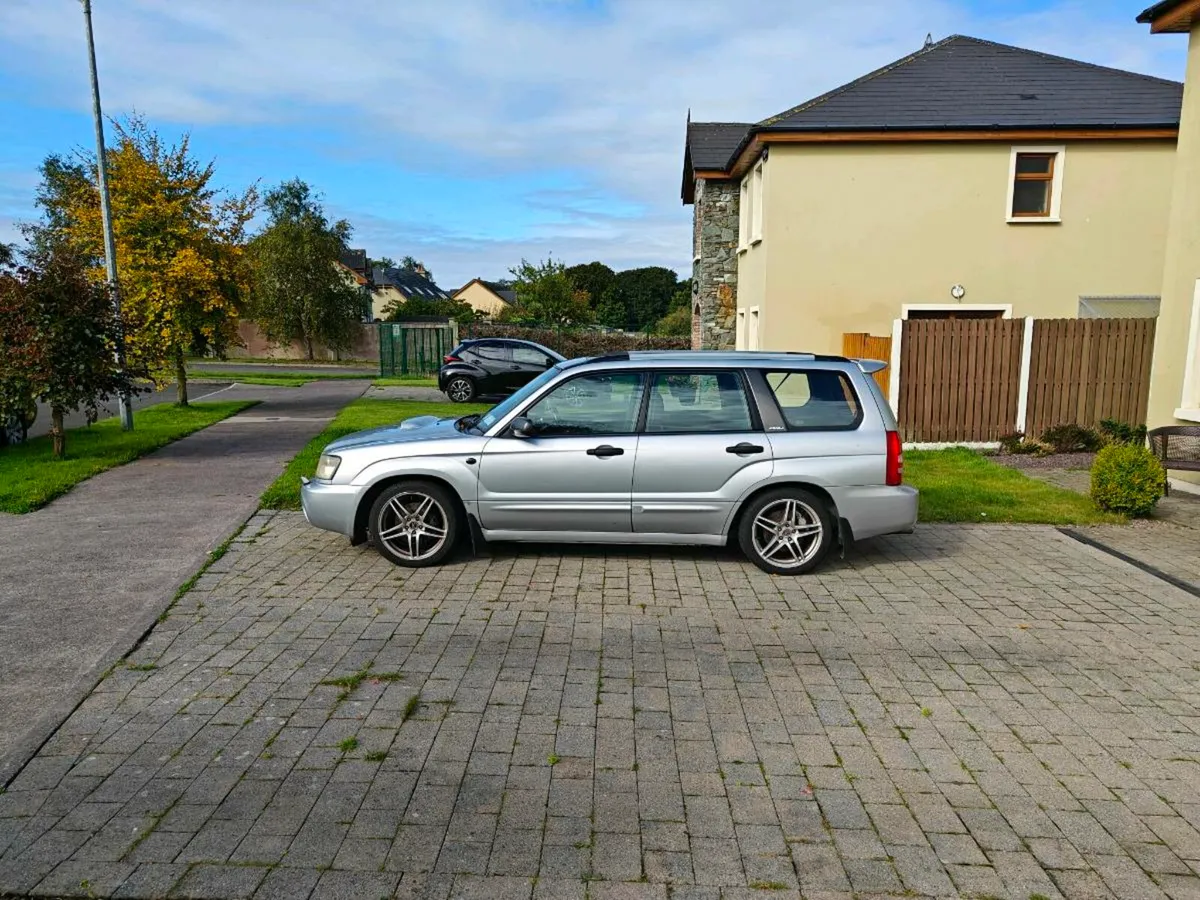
x=967 y=179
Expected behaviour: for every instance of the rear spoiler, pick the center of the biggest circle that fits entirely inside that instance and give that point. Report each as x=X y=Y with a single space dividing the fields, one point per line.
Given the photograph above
x=871 y=366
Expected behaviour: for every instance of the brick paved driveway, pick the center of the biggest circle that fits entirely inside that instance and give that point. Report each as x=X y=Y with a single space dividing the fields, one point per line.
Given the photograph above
x=980 y=711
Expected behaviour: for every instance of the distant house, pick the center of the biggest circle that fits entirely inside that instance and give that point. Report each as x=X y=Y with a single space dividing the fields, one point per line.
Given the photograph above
x=356 y=268
x=486 y=297
x=391 y=287
x=968 y=179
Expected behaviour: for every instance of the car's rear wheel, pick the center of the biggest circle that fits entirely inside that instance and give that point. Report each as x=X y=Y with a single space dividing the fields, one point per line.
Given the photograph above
x=414 y=524
x=461 y=389
x=787 y=531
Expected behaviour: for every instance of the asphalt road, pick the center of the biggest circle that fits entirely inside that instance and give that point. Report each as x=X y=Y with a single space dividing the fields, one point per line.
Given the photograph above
x=167 y=395
x=197 y=368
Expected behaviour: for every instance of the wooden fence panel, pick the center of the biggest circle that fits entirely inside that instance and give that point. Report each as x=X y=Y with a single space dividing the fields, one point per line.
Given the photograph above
x=869 y=346
x=1085 y=370
x=959 y=379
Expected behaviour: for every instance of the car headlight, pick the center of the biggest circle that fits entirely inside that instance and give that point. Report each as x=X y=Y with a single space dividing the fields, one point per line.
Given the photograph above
x=327 y=466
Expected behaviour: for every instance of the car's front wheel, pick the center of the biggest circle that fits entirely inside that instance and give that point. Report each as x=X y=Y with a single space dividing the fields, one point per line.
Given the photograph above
x=461 y=389
x=787 y=531
x=414 y=524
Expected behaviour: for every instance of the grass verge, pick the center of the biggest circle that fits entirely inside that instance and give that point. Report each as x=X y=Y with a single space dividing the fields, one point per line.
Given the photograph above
x=361 y=414
x=406 y=381
x=30 y=477
x=960 y=485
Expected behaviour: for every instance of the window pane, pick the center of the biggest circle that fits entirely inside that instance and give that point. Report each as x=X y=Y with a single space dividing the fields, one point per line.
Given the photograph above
x=699 y=402
x=493 y=351
x=1034 y=163
x=590 y=404
x=528 y=356
x=1031 y=198
x=815 y=399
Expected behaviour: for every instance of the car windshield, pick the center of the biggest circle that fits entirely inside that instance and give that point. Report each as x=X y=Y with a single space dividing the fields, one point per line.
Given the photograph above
x=500 y=410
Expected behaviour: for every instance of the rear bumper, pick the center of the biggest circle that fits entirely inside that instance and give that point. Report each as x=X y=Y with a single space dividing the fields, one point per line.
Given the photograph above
x=876 y=510
x=330 y=506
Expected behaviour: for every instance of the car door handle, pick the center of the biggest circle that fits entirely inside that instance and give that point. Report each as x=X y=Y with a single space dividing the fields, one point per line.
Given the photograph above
x=604 y=451
x=744 y=449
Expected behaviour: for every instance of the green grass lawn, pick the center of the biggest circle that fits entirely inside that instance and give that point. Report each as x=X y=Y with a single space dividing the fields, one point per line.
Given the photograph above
x=30 y=477
x=960 y=485
x=278 y=379
x=358 y=416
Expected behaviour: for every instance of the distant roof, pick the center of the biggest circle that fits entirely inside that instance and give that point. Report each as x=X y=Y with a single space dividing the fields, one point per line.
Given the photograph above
x=409 y=283
x=960 y=83
x=354 y=259
x=508 y=295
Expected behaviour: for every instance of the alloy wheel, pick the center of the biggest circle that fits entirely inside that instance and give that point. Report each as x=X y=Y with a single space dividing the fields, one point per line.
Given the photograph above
x=460 y=390
x=413 y=525
x=787 y=533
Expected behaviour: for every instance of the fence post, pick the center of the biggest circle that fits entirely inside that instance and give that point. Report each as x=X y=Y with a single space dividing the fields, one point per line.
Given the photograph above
x=894 y=366
x=1023 y=378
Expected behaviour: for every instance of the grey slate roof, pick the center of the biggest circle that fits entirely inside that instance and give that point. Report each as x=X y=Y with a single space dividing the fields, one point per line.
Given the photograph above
x=354 y=259
x=508 y=295
x=409 y=283
x=964 y=82
x=710 y=144
x=960 y=83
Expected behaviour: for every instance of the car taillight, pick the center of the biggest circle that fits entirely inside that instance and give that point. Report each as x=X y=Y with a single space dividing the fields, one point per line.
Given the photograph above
x=895 y=459
x=450 y=357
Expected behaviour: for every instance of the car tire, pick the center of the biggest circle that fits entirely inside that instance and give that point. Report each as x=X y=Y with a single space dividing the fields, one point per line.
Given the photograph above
x=787 y=531
x=461 y=389
x=414 y=524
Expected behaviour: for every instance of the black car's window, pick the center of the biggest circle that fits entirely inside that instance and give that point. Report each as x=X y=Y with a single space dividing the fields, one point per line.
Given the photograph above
x=692 y=402
x=530 y=357
x=513 y=401
x=816 y=399
x=492 y=351
x=590 y=404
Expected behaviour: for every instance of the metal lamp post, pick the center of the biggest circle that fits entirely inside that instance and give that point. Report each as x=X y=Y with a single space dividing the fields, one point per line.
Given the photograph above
x=124 y=409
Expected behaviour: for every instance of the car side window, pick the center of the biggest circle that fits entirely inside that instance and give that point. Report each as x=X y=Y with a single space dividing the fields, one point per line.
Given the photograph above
x=598 y=404
x=816 y=399
x=528 y=356
x=696 y=402
x=494 y=352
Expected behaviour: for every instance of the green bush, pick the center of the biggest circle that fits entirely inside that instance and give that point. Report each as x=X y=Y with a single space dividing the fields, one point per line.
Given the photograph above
x=1122 y=432
x=1128 y=479
x=1072 y=439
x=1011 y=443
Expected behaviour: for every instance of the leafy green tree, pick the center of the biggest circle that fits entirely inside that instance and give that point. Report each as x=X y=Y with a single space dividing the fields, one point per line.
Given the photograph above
x=384 y=262
x=545 y=294
x=58 y=335
x=595 y=278
x=676 y=323
x=412 y=264
x=459 y=310
x=638 y=298
x=298 y=290
x=682 y=298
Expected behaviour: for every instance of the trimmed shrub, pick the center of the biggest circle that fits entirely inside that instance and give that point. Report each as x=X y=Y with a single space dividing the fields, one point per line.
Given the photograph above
x=1115 y=432
x=1128 y=479
x=1011 y=443
x=1072 y=439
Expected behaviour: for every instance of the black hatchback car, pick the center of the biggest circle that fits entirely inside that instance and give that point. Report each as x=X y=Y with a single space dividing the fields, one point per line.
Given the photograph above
x=483 y=366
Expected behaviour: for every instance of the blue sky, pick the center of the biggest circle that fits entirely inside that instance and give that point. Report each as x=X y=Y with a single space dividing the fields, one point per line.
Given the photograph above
x=471 y=133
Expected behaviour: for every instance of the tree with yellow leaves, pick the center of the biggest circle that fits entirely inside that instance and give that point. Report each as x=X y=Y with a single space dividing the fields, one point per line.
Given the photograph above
x=180 y=243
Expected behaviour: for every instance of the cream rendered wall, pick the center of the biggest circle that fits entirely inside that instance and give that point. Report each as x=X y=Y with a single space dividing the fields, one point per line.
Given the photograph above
x=481 y=299
x=1176 y=338
x=382 y=299
x=853 y=232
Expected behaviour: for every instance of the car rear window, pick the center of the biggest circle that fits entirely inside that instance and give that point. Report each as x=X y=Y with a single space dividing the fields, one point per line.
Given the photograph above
x=816 y=399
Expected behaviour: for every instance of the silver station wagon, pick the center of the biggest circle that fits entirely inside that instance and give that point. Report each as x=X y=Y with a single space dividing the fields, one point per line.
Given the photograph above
x=787 y=455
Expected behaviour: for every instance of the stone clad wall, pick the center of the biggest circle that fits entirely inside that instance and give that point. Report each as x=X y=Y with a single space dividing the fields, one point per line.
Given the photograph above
x=714 y=272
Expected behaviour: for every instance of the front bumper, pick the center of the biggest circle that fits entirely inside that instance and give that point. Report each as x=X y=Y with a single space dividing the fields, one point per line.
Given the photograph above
x=330 y=506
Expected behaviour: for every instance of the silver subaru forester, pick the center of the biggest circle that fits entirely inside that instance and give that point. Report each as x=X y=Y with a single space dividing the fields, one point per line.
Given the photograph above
x=785 y=454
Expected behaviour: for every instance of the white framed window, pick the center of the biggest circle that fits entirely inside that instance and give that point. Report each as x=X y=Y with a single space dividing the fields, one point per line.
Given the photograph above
x=756 y=204
x=1139 y=306
x=744 y=216
x=752 y=333
x=741 y=331
x=1035 y=180
x=956 y=311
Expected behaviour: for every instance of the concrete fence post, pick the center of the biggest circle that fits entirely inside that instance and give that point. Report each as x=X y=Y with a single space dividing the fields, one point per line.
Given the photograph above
x=1023 y=382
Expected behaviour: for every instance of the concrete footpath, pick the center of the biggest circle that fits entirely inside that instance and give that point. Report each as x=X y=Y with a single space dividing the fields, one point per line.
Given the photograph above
x=82 y=579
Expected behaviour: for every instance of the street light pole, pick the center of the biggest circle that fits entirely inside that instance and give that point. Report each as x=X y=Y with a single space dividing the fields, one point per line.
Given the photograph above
x=124 y=409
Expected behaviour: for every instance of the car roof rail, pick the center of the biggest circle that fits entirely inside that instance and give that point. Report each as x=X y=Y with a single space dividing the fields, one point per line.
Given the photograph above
x=617 y=356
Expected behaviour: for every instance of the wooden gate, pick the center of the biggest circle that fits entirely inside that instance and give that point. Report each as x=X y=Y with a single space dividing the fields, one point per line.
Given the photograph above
x=1085 y=370
x=868 y=346
x=959 y=379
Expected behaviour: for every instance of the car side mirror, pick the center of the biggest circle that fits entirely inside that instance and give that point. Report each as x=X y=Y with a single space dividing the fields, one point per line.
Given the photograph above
x=521 y=427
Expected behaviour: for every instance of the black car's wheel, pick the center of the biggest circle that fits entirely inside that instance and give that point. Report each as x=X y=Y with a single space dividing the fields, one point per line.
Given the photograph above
x=787 y=531
x=414 y=524
x=461 y=389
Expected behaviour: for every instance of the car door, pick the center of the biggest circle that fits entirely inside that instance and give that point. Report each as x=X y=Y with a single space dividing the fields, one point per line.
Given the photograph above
x=528 y=363
x=701 y=448
x=495 y=358
x=575 y=473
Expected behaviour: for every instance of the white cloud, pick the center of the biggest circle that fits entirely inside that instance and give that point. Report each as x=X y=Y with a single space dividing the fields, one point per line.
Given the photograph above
x=503 y=87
